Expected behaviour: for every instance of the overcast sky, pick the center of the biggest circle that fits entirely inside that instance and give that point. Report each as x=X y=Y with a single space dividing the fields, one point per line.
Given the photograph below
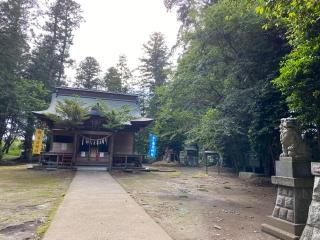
x=114 y=27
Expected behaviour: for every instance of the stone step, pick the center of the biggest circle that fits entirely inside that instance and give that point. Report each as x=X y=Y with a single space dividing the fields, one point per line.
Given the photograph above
x=91 y=168
x=277 y=232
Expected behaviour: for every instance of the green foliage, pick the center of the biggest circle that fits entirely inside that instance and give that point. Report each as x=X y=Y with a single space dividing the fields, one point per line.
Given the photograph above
x=112 y=80
x=25 y=75
x=70 y=112
x=187 y=12
x=153 y=72
x=299 y=17
x=222 y=83
x=171 y=126
x=51 y=54
x=113 y=119
x=88 y=74
x=155 y=61
x=15 y=148
x=224 y=135
x=125 y=74
x=27 y=95
x=299 y=81
x=73 y=113
x=299 y=72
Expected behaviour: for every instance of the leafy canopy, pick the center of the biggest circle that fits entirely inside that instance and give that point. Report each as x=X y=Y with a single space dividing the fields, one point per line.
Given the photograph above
x=70 y=112
x=115 y=118
x=73 y=113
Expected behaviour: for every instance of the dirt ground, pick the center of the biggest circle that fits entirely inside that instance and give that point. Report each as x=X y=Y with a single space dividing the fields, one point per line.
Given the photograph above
x=190 y=205
x=28 y=198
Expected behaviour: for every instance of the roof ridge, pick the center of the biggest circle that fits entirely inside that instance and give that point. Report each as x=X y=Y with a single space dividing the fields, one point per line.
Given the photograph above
x=95 y=91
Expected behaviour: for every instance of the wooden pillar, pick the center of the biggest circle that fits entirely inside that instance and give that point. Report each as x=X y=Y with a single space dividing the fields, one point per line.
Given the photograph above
x=111 y=151
x=75 y=147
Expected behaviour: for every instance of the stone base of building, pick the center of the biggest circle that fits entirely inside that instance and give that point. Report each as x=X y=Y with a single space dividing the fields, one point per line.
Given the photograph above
x=282 y=229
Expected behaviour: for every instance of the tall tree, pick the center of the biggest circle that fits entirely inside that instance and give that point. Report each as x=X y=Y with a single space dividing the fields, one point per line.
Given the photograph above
x=88 y=74
x=112 y=80
x=299 y=78
x=153 y=71
x=155 y=61
x=222 y=87
x=15 y=19
x=187 y=13
x=51 y=55
x=125 y=73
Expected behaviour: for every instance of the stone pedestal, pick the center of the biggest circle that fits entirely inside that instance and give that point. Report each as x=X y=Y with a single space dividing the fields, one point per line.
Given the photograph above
x=294 y=191
x=312 y=229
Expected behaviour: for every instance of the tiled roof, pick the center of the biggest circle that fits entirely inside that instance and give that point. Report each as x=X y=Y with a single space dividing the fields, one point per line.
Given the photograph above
x=89 y=98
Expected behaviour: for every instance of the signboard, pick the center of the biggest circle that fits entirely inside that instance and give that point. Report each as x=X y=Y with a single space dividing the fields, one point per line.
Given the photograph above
x=153 y=146
x=37 y=143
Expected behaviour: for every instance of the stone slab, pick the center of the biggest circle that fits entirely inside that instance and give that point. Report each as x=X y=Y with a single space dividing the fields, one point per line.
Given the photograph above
x=294 y=169
x=282 y=229
x=292 y=228
x=91 y=168
x=278 y=233
x=292 y=182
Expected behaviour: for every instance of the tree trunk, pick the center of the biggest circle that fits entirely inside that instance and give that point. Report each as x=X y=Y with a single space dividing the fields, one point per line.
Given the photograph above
x=53 y=47
x=28 y=139
x=63 y=49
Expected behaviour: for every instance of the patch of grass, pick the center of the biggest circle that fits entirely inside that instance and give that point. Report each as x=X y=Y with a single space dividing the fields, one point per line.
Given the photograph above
x=174 y=174
x=44 y=227
x=7 y=158
x=15 y=149
x=29 y=195
x=183 y=196
x=199 y=175
x=203 y=189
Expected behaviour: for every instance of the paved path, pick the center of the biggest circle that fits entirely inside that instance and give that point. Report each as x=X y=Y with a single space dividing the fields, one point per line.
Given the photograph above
x=96 y=207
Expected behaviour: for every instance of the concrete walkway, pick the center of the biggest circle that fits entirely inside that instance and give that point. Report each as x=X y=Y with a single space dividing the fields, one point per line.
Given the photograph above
x=96 y=207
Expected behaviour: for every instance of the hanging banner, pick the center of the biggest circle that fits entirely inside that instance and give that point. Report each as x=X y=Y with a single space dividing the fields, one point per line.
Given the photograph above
x=153 y=146
x=37 y=143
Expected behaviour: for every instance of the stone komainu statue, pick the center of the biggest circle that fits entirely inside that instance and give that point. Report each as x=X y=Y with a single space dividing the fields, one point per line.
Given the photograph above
x=291 y=139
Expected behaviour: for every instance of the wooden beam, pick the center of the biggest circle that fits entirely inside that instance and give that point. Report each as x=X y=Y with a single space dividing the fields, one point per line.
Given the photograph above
x=95 y=132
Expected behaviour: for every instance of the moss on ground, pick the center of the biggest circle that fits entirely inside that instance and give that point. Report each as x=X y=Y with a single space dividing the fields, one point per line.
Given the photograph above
x=30 y=196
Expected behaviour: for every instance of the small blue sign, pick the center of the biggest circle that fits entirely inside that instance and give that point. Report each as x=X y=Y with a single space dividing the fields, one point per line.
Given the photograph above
x=153 y=146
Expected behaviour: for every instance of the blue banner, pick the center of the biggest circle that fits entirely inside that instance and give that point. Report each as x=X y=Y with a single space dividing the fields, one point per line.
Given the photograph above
x=153 y=146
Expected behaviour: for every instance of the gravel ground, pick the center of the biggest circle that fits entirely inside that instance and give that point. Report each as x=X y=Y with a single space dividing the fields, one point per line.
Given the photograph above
x=191 y=205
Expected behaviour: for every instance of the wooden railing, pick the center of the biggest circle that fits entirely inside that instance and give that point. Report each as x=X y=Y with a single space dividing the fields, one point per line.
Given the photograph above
x=127 y=160
x=54 y=159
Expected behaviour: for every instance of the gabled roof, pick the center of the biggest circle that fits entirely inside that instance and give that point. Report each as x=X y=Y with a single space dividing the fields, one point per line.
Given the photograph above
x=114 y=101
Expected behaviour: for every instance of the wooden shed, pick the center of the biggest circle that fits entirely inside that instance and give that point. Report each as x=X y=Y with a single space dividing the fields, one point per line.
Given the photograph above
x=91 y=144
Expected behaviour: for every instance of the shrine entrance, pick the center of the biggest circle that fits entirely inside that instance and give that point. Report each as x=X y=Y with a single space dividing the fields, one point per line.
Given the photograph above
x=93 y=148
